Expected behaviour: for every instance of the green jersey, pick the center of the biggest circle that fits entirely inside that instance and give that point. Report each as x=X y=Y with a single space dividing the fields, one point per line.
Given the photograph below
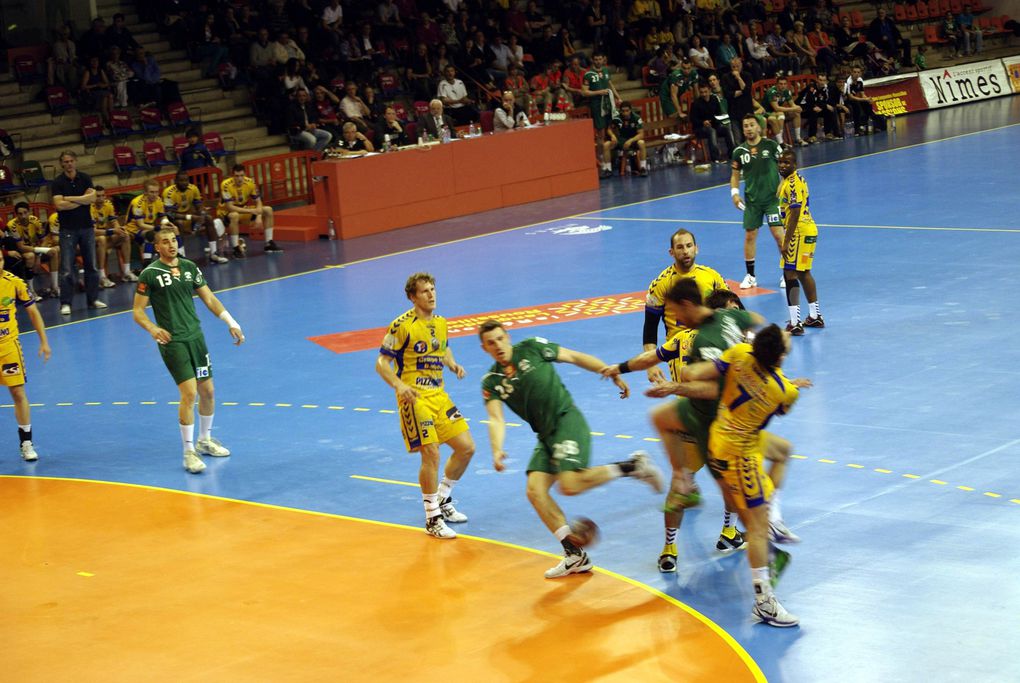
x=628 y=125
x=683 y=81
x=780 y=97
x=759 y=164
x=530 y=385
x=598 y=79
x=171 y=290
x=716 y=333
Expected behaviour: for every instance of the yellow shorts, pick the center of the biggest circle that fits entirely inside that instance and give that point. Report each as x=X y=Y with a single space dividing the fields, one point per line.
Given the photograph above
x=801 y=254
x=12 y=364
x=740 y=471
x=431 y=419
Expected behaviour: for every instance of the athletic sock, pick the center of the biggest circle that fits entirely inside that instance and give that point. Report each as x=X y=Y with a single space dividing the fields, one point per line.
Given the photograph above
x=55 y=279
x=269 y=234
x=794 y=314
x=235 y=240
x=815 y=309
x=671 y=535
x=727 y=519
x=204 y=426
x=431 y=502
x=750 y=267
x=102 y=273
x=25 y=432
x=775 y=512
x=762 y=584
x=561 y=536
x=445 y=488
x=188 y=436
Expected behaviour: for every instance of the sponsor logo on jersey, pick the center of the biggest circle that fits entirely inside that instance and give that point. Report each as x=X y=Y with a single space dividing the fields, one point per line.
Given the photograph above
x=5 y=316
x=420 y=347
x=142 y=287
x=525 y=366
x=176 y=272
x=453 y=413
x=4 y=332
x=8 y=369
x=429 y=363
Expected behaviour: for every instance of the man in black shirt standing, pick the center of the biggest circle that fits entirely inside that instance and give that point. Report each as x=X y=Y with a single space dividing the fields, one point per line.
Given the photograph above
x=736 y=85
x=72 y=196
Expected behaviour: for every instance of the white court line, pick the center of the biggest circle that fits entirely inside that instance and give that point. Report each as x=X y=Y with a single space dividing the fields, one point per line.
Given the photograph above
x=820 y=225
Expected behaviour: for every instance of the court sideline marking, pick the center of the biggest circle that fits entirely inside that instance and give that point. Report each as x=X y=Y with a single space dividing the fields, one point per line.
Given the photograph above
x=820 y=225
x=532 y=225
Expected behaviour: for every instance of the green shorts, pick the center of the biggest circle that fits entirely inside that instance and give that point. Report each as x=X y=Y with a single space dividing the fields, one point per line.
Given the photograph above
x=601 y=115
x=187 y=359
x=567 y=449
x=696 y=424
x=755 y=212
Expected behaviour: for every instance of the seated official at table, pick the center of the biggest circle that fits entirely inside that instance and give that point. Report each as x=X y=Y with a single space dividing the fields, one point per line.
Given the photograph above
x=508 y=115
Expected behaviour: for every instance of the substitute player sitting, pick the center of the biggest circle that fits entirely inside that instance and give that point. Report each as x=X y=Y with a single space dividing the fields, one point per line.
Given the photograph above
x=146 y=215
x=43 y=240
x=628 y=135
x=240 y=201
x=800 y=239
x=524 y=378
x=411 y=360
x=170 y=283
x=182 y=201
x=110 y=235
x=753 y=390
x=14 y=294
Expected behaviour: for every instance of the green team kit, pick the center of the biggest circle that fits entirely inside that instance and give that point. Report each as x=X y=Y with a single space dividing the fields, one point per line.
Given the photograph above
x=718 y=332
x=171 y=290
x=627 y=126
x=781 y=97
x=532 y=389
x=683 y=81
x=601 y=105
x=759 y=164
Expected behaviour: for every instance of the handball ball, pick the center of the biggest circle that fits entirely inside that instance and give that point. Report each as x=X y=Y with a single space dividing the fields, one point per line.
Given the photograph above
x=583 y=532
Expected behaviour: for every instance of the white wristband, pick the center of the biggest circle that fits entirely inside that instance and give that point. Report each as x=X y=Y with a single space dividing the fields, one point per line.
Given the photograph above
x=164 y=222
x=734 y=192
x=229 y=319
x=187 y=217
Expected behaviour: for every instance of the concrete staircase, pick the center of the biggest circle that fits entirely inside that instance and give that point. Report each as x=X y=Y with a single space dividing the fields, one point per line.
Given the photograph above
x=43 y=137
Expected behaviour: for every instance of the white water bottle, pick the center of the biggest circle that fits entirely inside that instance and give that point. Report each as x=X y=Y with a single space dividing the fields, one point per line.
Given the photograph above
x=331 y=228
x=386 y=143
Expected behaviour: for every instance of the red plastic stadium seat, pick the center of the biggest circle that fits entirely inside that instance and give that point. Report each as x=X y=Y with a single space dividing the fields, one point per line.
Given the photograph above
x=155 y=155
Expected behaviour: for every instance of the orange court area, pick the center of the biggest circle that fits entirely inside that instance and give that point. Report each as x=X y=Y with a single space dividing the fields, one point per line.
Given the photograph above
x=117 y=582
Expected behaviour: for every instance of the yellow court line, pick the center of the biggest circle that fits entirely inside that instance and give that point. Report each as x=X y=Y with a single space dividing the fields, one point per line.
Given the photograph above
x=385 y=481
x=746 y=658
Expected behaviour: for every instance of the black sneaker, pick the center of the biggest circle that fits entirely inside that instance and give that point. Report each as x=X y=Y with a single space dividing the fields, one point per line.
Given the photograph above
x=238 y=252
x=273 y=248
x=814 y=322
x=606 y=173
x=667 y=560
x=795 y=330
x=730 y=539
x=642 y=173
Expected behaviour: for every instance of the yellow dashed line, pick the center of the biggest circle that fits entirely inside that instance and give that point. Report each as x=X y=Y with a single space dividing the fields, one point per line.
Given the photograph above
x=965 y=488
x=390 y=412
x=513 y=424
x=256 y=404
x=911 y=476
x=65 y=404
x=309 y=405
x=6 y=405
x=1015 y=500
x=35 y=405
x=93 y=403
x=598 y=433
x=624 y=436
x=856 y=467
x=883 y=471
x=336 y=407
x=230 y=403
x=938 y=481
x=121 y=403
x=827 y=461
x=283 y=405
x=799 y=457
x=362 y=410
x=993 y=495
x=173 y=403
x=152 y=403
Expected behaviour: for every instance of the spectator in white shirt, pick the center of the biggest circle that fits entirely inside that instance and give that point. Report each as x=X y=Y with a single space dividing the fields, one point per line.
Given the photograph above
x=454 y=96
x=354 y=108
x=509 y=116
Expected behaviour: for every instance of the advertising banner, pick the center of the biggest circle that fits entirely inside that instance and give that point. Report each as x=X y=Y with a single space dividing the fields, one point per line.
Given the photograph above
x=965 y=83
x=1012 y=66
x=896 y=95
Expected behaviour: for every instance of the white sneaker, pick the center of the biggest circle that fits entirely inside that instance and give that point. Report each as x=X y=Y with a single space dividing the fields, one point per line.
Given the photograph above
x=192 y=462
x=749 y=282
x=106 y=283
x=770 y=611
x=646 y=470
x=782 y=282
x=437 y=527
x=65 y=309
x=216 y=258
x=570 y=564
x=97 y=304
x=779 y=533
x=28 y=453
x=129 y=277
x=211 y=447
x=450 y=513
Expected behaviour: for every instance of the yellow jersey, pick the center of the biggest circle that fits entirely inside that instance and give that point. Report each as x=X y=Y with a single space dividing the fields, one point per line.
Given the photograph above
x=32 y=232
x=793 y=194
x=13 y=292
x=142 y=209
x=240 y=194
x=417 y=348
x=676 y=351
x=54 y=220
x=182 y=201
x=708 y=281
x=102 y=213
x=750 y=396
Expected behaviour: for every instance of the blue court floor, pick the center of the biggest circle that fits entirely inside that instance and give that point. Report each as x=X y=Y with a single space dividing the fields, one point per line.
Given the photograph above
x=905 y=487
